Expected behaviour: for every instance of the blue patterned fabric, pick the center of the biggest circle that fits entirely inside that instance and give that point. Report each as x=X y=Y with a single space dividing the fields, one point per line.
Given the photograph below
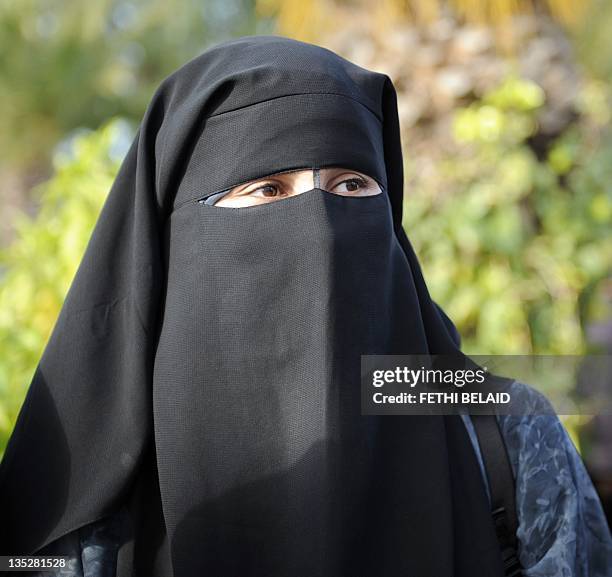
x=92 y=549
x=562 y=530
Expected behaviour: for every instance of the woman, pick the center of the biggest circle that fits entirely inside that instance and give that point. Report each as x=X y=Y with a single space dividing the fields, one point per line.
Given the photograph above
x=197 y=407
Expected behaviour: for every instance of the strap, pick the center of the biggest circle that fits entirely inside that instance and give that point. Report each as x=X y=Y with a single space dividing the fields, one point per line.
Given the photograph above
x=502 y=489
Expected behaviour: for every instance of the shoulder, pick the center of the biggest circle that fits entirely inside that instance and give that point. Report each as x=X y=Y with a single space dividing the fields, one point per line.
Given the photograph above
x=534 y=435
x=562 y=526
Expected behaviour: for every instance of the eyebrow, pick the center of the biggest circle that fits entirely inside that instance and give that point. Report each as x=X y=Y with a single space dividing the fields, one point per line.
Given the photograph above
x=317 y=175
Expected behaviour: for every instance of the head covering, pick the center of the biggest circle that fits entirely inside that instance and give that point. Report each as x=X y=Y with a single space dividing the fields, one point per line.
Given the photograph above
x=205 y=366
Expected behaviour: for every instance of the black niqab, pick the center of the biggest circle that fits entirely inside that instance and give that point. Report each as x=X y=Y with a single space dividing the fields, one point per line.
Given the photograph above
x=205 y=366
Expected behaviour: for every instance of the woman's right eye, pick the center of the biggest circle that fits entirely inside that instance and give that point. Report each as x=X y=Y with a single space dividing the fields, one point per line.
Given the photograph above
x=266 y=191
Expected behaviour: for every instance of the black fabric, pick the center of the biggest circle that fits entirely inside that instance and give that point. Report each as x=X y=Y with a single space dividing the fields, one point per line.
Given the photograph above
x=502 y=488
x=206 y=359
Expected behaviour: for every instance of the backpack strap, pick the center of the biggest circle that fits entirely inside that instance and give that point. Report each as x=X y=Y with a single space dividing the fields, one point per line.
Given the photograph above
x=501 y=488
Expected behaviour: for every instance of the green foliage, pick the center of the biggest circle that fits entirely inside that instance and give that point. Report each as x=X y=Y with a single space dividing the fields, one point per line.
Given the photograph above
x=72 y=64
x=36 y=270
x=513 y=246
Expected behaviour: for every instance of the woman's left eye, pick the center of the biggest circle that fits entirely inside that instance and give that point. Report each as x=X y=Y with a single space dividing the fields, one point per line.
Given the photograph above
x=359 y=182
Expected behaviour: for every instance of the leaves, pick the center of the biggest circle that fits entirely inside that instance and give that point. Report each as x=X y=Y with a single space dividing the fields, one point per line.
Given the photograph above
x=515 y=242
x=37 y=268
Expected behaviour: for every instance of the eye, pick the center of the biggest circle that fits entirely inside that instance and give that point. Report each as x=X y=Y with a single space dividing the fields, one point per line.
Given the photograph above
x=266 y=190
x=355 y=185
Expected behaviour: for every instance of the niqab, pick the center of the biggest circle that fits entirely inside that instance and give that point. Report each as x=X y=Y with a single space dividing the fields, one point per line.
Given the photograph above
x=205 y=366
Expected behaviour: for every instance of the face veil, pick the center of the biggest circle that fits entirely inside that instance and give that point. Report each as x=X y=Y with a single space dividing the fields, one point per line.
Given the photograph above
x=204 y=369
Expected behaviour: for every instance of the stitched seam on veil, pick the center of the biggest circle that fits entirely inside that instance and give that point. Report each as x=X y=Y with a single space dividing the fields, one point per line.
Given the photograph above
x=378 y=117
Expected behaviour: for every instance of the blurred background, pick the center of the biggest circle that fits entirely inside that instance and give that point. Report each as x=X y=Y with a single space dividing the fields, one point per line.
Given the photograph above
x=505 y=109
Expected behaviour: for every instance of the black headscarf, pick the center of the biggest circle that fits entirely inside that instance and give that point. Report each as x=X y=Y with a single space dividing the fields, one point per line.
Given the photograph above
x=205 y=365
